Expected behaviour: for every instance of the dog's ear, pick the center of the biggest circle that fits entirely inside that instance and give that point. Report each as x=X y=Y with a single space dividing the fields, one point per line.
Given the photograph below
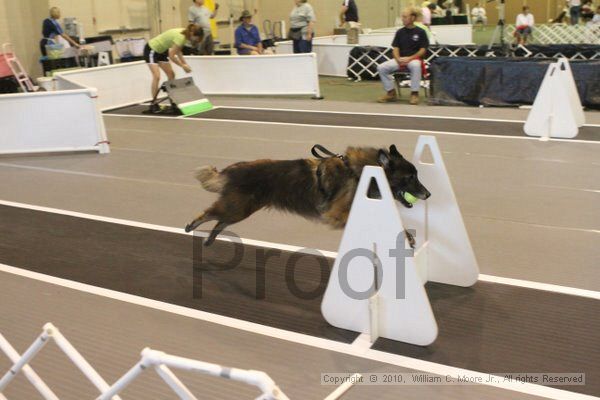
x=383 y=159
x=394 y=151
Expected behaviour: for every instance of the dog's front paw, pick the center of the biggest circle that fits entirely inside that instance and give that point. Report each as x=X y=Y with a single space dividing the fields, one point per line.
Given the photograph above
x=189 y=228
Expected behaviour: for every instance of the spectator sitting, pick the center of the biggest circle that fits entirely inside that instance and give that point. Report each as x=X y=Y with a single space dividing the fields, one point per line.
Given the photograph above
x=524 y=25
x=247 y=38
x=479 y=16
x=409 y=47
x=52 y=33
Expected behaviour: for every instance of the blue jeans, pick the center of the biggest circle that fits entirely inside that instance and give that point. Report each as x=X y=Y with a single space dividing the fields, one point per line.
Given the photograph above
x=387 y=68
x=302 y=46
x=575 y=11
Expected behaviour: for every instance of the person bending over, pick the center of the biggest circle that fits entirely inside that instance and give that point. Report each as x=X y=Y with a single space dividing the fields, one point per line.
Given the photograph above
x=409 y=47
x=167 y=46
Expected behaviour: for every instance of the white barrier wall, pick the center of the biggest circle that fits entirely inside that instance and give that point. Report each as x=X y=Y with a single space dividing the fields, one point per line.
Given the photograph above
x=383 y=39
x=333 y=51
x=288 y=74
x=129 y=83
x=332 y=59
x=51 y=122
x=117 y=85
x=459 y=34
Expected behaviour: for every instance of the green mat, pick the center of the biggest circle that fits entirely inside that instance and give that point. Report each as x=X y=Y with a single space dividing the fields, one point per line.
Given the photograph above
x=195 y=107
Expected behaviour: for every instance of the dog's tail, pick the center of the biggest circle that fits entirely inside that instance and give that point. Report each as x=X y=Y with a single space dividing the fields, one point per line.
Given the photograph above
x=210 y=178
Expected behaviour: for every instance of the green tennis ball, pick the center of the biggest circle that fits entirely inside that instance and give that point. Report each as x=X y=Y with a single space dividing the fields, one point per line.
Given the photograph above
x=410 y=199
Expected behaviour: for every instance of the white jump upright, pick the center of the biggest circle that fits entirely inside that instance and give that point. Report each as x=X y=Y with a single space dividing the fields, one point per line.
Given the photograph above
x=377 y=281
x=557 y=111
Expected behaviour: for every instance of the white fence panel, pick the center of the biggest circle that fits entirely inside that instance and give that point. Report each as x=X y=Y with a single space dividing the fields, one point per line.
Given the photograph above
x=117 y=85
x=287 y=74
x=51 y=122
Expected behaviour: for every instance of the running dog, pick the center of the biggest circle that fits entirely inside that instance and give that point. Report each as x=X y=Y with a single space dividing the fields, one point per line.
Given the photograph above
x=319 y=188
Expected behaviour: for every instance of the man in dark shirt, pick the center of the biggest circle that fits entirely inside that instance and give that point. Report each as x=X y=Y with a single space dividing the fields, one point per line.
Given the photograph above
x=349 y=12
x=410 y=45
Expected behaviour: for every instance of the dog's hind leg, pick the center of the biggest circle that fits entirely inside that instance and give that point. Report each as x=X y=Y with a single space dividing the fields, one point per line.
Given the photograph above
x=229 y=209
x=202 y=218
x=215 y=232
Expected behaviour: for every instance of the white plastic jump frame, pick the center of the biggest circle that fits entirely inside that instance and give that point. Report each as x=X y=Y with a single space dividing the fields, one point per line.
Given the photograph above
x=557 y=111
x=49 y=332
x=157 y=360
x=377 y=282
x=161 y=363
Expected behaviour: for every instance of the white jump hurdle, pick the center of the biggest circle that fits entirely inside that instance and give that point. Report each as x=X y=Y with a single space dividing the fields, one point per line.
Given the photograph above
x=557 y=111
x=377 y=282
x=157 y=360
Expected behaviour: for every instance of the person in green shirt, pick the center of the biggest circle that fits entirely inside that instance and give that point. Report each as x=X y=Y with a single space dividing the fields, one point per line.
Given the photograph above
x=167 y=47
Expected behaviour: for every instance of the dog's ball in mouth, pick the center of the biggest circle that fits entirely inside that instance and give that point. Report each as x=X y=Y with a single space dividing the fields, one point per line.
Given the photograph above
x=410 y=199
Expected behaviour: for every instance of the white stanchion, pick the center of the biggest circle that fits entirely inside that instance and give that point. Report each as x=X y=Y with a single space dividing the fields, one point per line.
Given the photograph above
x=557 y=111
x=377 y=282
x=438 y=223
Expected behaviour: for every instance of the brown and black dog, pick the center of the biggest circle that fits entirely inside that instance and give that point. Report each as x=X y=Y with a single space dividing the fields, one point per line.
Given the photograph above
x=319 y=189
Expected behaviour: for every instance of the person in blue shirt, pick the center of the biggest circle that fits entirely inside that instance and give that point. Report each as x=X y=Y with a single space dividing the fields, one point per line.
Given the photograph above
x=247 y=38
x=52 y=32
